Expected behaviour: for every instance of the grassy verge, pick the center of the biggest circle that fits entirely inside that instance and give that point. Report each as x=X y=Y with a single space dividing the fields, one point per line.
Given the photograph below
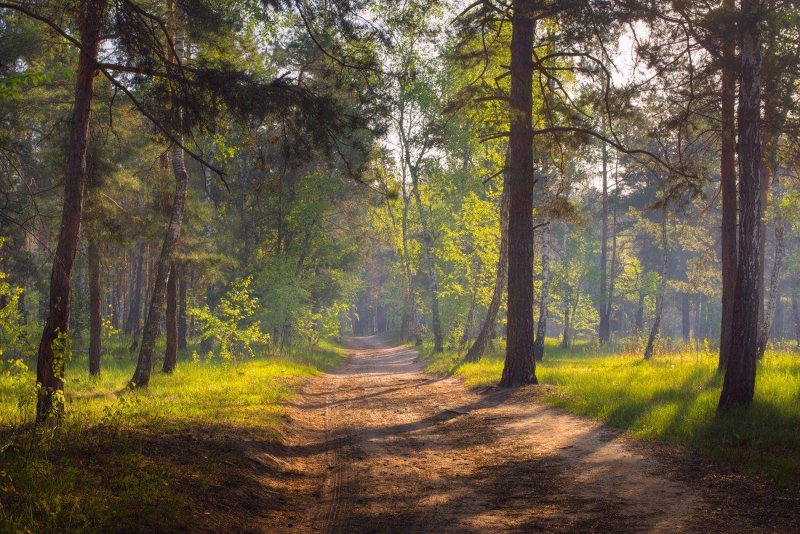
x=125 y=460
x=671 y=398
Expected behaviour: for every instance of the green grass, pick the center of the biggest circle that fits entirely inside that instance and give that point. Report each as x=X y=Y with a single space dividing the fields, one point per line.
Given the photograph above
x=672 y=398
x=135 y=460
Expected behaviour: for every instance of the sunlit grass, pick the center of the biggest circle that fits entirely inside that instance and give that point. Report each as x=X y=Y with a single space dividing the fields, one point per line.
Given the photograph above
x=97 y=470
x=672 y=397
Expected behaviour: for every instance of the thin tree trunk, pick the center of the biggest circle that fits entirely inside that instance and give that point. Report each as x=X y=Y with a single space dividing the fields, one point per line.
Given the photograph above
x=639 y=320
x=133 y=324
x=182 y=323
x=541 y=326
x=427 y=240
x=171 y=354
x=478 y=348
x=469 y=321
x=520 y=366
x=686 y=317
x=411 y=293
x=728 y=194
x=565 y=340
x=141 y=376
x=662 y=287
x=796 y=312
x=49 y=361
x=739 y=384
x=603 y=327
x=774 y=281
x=95 y=317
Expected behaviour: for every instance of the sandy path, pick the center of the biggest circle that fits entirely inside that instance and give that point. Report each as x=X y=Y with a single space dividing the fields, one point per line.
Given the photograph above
x=378 y=446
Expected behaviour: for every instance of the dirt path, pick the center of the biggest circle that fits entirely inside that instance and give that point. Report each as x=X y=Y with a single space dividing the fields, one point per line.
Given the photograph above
x=378 y=446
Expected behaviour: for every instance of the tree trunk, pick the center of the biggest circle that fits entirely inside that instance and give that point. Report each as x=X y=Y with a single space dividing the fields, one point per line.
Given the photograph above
x=565 y=340
x=520 y=366
x=427 y=241
x=686 y=317
x=478 y=348
x=639 y=320
x=134 y=322
x=740 y=373
x=700 y=318
x=603 y=327
x=728 y=194
x=141 y=377
x=49 y=363
x=774 y=281
x=171 y=354
x=183 y=327
x=662 y=287
x=541 y=326
x=796 y=312
x=468 y=322
x=95 y=316
x=411 y=293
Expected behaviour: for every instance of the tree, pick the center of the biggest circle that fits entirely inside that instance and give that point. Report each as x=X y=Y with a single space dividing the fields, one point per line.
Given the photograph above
x=520 y=368
x=739 y=384
x=50 y=367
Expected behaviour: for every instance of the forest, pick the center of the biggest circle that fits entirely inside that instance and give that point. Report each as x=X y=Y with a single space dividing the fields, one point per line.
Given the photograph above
x=399 y=266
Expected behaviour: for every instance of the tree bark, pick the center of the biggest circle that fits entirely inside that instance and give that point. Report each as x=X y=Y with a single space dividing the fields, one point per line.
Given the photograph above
x=662 y=287
x=520 y=366
x=134 y=322
x=774 y=282
x=95 y=316
x=171 y=353
x=686 y=317
x=427 y=241
x=541 y=326
x=468 y=323
x=796 y=311
x=728 y=193
x=478 y=348
x=141 y=376
x=183 y=327
x=739 y=384
x=603 y=327
x=565 y=338
x=49 y=364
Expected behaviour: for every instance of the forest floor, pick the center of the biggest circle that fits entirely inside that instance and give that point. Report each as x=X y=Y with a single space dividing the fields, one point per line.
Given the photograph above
x=377 y=445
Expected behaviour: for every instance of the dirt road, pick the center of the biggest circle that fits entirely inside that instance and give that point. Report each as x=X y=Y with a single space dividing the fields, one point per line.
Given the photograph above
x=378 y=446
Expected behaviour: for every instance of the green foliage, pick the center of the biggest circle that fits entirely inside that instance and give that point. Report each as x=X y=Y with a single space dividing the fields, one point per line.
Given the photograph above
x=232 y=323
x=14 y=338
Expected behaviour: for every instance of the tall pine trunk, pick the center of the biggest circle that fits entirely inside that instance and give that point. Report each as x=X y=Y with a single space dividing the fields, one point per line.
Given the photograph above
x=183 y=327
x=171 y=353
x=728 y=193
x=478 y=348
x=49 y=363
x=133 y=326
x=141 y=376
x=662 y=288
x=95 y=316
x=541 y=326
x=686 y=317
x=520 y=366
x=740 y=373
x=603 y=327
